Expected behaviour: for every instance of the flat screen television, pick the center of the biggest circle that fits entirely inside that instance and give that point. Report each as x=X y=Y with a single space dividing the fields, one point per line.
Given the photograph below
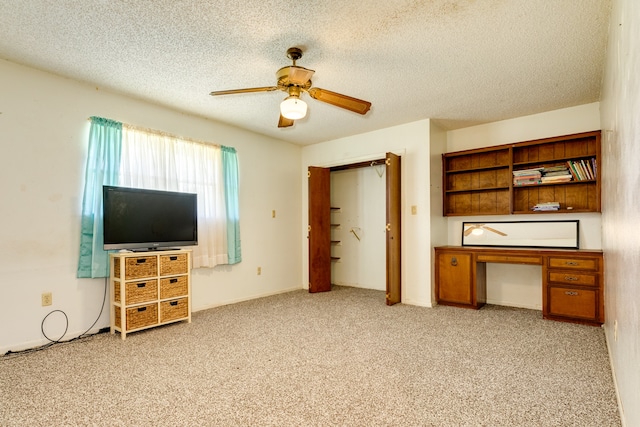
x=140 y=219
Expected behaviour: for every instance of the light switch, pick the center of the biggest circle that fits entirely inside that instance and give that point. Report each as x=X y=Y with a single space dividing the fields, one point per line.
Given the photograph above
x=414 y=210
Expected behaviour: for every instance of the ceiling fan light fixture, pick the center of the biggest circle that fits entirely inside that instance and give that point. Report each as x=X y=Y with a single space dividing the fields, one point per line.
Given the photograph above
x=293 y=108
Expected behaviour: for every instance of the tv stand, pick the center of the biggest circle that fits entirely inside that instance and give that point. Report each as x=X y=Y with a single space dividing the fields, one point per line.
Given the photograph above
x=149 y=289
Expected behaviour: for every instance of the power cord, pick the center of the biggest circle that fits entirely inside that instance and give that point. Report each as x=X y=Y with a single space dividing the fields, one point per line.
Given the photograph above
x=59 y=340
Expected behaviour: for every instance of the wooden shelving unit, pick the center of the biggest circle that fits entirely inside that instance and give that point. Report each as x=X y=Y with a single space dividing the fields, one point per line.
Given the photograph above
x=480 y=181
x=334 y=226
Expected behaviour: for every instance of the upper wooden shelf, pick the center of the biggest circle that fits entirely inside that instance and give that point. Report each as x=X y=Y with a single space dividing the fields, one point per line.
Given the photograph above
x=480 y=181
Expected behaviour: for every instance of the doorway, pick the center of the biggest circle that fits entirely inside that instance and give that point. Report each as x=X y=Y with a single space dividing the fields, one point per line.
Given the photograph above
x=320 y=223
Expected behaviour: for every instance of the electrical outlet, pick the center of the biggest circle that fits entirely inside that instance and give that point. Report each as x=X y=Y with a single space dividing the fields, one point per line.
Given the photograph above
x=414 y=210
x=259 y=271
x=47 y=299
x=273 y=213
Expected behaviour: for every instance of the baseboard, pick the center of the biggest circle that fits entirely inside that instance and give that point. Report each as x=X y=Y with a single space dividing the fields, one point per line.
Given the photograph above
x=416 y=303
x=31 y=345
x=235 y=301
x=615 y=382
x=513 y=304
x=358 y=285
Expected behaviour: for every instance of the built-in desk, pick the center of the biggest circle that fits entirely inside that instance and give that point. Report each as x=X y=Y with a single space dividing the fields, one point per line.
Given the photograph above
x=572 y=280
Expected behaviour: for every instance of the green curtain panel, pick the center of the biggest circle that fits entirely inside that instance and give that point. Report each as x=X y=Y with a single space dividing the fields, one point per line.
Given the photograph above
x=231 y=194
x=103 y=164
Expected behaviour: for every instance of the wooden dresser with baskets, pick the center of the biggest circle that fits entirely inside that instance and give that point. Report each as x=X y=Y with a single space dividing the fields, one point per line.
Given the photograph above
x=149 y=289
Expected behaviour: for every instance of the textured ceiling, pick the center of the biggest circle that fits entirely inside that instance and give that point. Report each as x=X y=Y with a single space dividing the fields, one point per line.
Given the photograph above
x=460 y=62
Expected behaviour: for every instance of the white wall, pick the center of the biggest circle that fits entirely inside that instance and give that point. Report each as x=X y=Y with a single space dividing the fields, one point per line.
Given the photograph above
x=43 y=134
x=439 y=224
x=361 y=196
x=620 y=107
x=411 y=141
x=519 y=285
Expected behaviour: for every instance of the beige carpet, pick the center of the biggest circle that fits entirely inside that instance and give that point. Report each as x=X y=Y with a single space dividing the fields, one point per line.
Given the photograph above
x=341 y=358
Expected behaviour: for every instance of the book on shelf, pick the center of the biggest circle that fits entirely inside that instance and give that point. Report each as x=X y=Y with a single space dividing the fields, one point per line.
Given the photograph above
x=554 y=169
x=587 y=166
x=582 y=170
x=526 y=181
x=556 y=178
x=547 y=206
x=528 y=172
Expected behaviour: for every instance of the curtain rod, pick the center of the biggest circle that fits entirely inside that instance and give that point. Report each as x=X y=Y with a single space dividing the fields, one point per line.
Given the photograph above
x=167 y=134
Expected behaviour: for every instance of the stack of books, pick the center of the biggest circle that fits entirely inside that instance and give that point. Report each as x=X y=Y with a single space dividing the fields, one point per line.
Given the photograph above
x=583 y=169
x=527 y=176
x=558 y=173
x=547 y=206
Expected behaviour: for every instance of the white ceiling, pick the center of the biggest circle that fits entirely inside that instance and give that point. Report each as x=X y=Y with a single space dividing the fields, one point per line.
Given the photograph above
x=461 y=62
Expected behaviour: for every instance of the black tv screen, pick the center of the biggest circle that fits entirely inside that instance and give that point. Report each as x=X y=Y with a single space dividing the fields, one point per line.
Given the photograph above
x=141 y=219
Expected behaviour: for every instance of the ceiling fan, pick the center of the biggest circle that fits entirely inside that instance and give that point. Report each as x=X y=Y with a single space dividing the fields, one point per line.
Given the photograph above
x=478 y=229
x=295 y=80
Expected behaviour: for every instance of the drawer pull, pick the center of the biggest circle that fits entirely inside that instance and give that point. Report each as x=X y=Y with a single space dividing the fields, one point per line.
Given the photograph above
x=173 y=281
x=571 y=293
x=570 y=278
x=454 y=261
x=571 y=263
x=173 y=258
x=141 y=309
x=141 y=260
x=173 y=303
x=142 y=285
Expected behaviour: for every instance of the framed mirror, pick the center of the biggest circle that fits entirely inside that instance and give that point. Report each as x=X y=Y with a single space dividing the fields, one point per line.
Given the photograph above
x=528 y=234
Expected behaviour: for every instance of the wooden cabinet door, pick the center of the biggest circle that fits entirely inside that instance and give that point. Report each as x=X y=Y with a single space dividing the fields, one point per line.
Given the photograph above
x=319 y=229
x=454 y=279
x=394 y=276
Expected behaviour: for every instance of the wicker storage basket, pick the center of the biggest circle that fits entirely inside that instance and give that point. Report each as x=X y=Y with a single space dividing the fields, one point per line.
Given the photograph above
x=138 y=317
x=137 y=292
x=138 y=267
x=173 y=264
x=171 y=287
x=174 y=309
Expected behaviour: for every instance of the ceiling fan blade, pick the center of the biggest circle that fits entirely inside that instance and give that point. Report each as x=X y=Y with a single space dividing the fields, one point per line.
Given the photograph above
x=343 y=101
x=248 y=90
x=469 y=230
x=284 y=122
x=494 y=230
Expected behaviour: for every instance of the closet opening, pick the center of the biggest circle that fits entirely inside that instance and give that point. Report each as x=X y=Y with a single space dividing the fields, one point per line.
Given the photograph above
x=334 y=228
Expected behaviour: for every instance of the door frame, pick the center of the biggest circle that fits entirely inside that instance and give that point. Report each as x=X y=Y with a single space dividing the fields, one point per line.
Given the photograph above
x=394 y=222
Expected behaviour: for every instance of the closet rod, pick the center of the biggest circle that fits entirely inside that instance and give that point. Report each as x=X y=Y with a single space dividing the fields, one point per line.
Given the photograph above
x=366 y=164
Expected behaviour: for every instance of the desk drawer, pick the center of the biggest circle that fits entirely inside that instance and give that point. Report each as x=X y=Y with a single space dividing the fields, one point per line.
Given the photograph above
x=510 y=259
x=571 y=278
x=590 y=264
x=574 y=303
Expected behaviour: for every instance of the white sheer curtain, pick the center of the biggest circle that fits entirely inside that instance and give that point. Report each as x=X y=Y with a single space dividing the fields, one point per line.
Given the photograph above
x=158 y=161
